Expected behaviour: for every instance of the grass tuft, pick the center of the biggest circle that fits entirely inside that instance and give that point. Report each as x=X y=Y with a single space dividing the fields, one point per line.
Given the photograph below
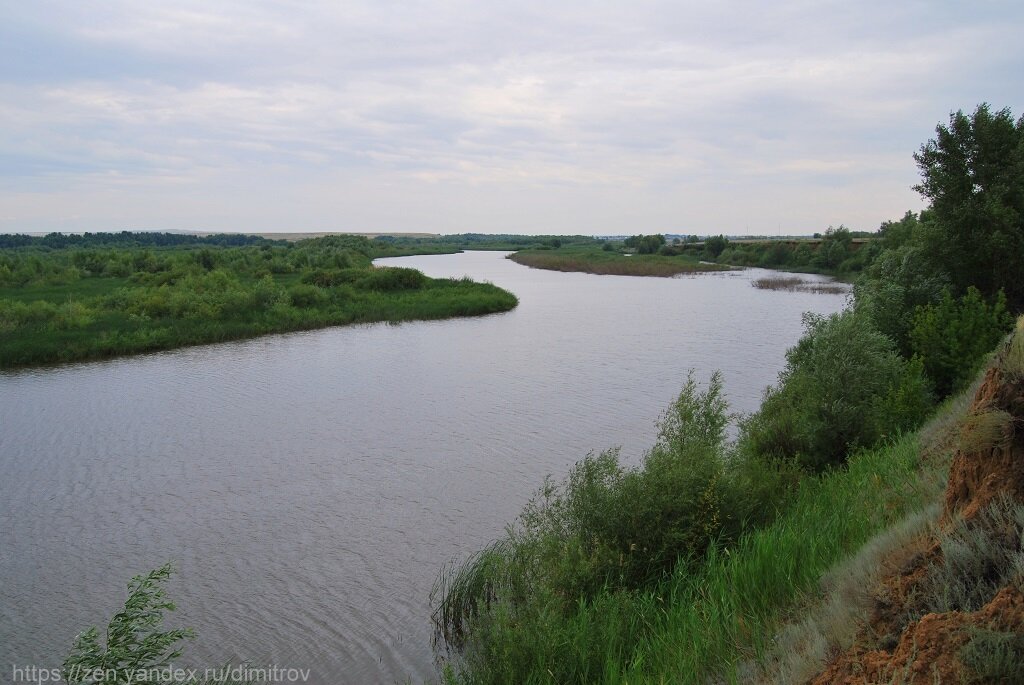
x=985 y=430
x=993 y=656
x=979 y=557
x=1013 y=362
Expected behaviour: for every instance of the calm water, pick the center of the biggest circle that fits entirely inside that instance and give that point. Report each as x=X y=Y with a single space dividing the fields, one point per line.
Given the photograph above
x=309 y=486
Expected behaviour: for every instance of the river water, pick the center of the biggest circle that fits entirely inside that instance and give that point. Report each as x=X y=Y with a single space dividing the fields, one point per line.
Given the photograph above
x=309 y=486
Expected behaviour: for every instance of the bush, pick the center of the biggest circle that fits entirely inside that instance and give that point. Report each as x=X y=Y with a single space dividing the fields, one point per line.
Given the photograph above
x=328 y=278
x=954 y=335
x=391 y=279
x=305 y=295
x=714 y=246
x=993 y=656
x=606 y=527
x=978 y=558
x=836 y=246
x=899 y=280
x=843 y=386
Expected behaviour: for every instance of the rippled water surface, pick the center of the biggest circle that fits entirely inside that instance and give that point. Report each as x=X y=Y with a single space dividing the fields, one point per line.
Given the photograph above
x=309 y=486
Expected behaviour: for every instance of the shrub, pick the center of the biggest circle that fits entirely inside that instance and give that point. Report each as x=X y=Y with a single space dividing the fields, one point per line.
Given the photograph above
x=843 y=386
x=979 y=557
x=836 y=246
x=72 y=314
x=606 y=527
x=391 y=279
x=305 y=295
x=328 y=278
x=954 y=335
x=993 y=656
x=894 y=285
x=15 y=314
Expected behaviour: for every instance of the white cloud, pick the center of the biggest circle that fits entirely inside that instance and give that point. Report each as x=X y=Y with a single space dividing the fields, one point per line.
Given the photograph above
x=592 y=117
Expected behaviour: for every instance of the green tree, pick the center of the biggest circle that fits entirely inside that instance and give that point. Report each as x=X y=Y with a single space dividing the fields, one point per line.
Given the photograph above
x=893 y=234
x=900 y=280
x=715 y=245
x=836 y=246
x=972 y=172
x=645 y=244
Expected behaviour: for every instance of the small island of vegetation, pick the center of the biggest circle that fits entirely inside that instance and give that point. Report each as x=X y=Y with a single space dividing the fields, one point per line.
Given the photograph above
x=597 y=259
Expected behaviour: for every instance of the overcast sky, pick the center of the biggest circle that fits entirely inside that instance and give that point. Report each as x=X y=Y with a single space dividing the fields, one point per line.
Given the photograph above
x=526 y=117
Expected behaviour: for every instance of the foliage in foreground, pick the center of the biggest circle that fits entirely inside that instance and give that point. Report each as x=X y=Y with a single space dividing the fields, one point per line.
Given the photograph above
x=135 y=648
x=704 y=619
x=134 y=643
x=607 y=526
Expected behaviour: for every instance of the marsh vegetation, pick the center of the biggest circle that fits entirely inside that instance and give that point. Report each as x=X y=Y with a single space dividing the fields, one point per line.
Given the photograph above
x=798 y=284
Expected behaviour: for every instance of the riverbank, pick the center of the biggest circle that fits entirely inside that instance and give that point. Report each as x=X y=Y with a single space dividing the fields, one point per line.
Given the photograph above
x=778 y=601
x=594 y=260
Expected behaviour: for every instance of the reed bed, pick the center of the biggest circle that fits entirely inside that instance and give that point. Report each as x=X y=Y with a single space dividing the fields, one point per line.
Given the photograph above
x=798 y=284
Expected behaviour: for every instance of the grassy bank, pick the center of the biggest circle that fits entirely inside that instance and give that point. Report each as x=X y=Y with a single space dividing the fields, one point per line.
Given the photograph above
x=685 y=567
x=594 y=260
x=60 y=305
x=716 y=618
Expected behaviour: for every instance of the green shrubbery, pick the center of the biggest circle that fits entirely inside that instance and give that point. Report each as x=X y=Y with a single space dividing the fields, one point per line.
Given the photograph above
x=581 y=589
x=953 y=336
x=844 y=386
x=607 y=527
x=170 y=298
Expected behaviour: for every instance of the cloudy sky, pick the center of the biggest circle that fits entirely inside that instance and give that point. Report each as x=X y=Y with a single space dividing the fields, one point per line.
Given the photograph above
x=555 y=117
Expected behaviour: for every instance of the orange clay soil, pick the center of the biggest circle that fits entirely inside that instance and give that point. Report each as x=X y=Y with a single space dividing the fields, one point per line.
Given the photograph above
x=926 y=651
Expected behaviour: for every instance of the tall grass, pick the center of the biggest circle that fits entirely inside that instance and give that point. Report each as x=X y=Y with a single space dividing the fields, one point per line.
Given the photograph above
x=728 y=611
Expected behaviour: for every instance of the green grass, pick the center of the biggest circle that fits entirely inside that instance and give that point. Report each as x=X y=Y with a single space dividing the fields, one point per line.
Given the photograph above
x=594 y=260
x=62 y=292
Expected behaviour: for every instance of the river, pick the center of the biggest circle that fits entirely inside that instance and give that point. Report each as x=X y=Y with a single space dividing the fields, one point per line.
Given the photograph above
x=309 y=486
